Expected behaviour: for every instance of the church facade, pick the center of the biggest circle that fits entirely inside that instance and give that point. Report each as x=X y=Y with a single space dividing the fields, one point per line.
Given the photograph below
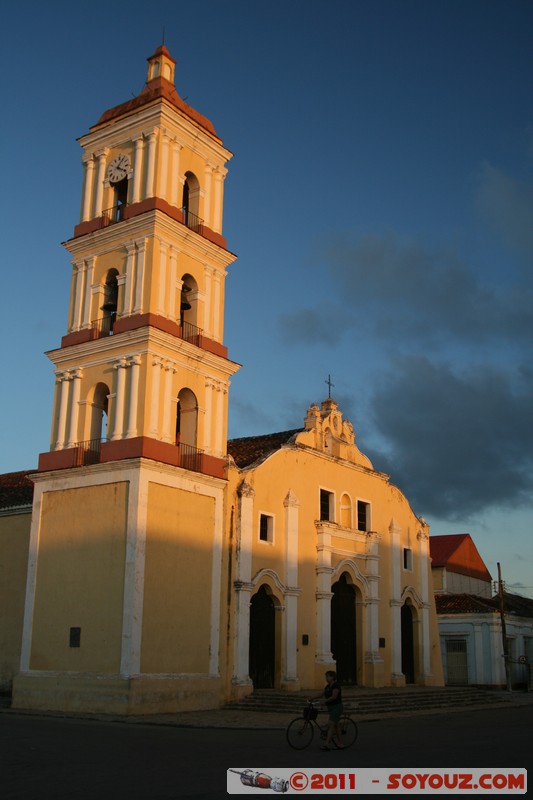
x=165 y=567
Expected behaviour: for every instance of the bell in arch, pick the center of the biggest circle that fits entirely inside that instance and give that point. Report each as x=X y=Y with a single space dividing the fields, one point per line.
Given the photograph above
x=110 y=296
x=185 y=305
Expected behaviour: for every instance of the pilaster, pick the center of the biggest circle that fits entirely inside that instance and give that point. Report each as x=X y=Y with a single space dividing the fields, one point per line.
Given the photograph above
x=150 y=171
x=88 y=162
x=130 y=659
x=137 y=168
x=100 y=176
x=323 y=595
x=424 y=567
x=243 y=586
x=290 y=680
x=395 y=531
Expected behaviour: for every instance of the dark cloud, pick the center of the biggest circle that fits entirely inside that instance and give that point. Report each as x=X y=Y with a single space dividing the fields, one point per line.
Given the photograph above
x=246 y=418
x=395 y=287
x=457 y=443
x=326 y=324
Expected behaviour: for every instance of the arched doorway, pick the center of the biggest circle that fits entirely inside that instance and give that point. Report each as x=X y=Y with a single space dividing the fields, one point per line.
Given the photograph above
x=343 y=630
x=408 y=649
x=262 y=640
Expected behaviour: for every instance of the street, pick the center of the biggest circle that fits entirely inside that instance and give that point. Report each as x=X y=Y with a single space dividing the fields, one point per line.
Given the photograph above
x=45 y=757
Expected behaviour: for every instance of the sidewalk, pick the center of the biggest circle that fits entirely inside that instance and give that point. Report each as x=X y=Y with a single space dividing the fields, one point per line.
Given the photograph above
x=261 y=720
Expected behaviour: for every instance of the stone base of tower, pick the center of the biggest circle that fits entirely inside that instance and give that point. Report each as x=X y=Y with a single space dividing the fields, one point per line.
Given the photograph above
x=112 y=694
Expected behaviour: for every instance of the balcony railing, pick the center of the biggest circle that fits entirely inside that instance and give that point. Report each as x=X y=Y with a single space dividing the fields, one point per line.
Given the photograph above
x=190 y=457
x=190 y=333
x=82 y=454
x=112 y=215
x=192 y=221
x=103 y=326
x=87 y=452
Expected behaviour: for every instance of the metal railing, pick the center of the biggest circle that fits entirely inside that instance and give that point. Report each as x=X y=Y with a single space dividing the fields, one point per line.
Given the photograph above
x=192 y=221
x=87 y=452
x=112 y=215
x=103 y=326
x=190 y=333
x=190 y=457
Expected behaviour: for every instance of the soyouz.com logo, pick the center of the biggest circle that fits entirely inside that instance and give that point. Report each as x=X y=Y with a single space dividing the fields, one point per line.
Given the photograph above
x=376 y=781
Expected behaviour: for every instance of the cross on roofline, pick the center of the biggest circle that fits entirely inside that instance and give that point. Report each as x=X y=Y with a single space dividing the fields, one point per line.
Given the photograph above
x=330 y=384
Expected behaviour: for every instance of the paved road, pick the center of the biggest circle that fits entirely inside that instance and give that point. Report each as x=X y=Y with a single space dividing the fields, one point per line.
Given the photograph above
x=43 y=758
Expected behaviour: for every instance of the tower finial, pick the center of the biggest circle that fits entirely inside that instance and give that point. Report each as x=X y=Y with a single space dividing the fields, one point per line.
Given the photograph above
x=330 y=384
x=161 y=65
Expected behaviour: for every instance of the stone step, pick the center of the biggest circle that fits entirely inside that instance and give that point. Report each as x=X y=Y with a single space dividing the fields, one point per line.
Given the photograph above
x=373 y=701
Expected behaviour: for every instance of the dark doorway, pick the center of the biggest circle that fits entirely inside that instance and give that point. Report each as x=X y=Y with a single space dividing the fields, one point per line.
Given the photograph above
x=262 y=640
x=408 y=651
x=343 y=638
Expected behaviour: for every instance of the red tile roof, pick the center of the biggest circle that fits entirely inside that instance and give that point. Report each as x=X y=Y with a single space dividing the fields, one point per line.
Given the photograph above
x=156 y=89
x=458 y=553
x=465 y=604
x=249 y=449
x=514 y=604
x=16 y=489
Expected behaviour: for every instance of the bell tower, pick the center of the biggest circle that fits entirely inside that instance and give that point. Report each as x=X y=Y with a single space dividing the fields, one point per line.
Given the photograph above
x=128 y=503
x=142 y=370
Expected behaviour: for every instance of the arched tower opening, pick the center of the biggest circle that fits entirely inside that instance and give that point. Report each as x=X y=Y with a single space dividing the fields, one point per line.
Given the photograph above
x=191 y=201
x=110 y=304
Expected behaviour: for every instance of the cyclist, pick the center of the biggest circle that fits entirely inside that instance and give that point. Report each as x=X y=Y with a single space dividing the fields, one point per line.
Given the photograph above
x=333 y=699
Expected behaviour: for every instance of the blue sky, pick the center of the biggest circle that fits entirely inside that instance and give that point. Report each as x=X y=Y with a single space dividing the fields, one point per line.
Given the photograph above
x=380 y=201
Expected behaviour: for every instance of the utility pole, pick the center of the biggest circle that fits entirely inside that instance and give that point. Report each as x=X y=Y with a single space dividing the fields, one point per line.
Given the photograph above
x=501 y=604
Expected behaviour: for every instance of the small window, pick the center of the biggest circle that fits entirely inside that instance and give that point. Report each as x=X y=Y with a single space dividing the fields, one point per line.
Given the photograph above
x=407 y=558
x=75 y=637
x=326 y=506
x=363 y=516
x=266 y=528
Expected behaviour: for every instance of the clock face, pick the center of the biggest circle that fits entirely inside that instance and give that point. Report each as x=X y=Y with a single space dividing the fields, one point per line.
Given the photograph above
x=118 y=168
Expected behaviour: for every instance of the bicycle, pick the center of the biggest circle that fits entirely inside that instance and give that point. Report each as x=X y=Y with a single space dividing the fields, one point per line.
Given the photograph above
x=300 y=731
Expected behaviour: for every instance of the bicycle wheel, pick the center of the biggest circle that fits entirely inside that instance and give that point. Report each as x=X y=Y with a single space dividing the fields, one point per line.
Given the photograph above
x=349 y=732
x=300 y=733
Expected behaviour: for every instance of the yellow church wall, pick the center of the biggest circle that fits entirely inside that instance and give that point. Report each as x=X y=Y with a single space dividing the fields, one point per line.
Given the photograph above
x=14 y=540
x=178 y=569
x=305 y=472
x=80 y=579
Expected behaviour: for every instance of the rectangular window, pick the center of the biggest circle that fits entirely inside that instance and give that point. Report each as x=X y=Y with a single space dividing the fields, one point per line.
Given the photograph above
x=75 y=637
x=363 y=516
x=266 y=528
x=326 y=506
x=407 y=558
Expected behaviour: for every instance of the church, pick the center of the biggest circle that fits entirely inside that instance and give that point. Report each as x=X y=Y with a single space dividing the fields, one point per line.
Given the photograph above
x=156 y=566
